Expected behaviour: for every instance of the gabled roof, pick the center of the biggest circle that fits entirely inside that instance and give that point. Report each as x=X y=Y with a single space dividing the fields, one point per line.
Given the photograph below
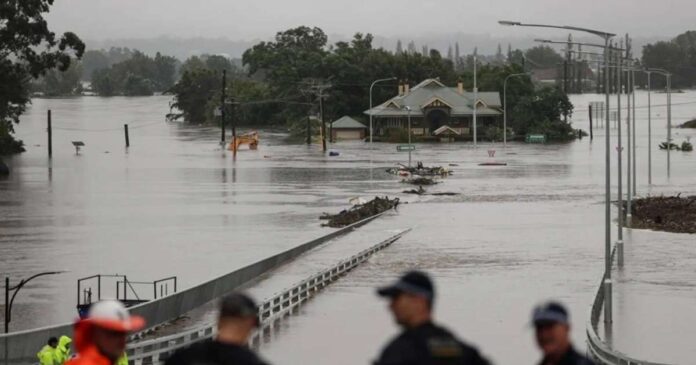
x=346 y=122
x=445 y=129
x=421 y=95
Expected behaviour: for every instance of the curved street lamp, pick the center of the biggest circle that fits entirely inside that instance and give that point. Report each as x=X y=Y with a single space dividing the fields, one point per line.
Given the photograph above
x=16 y=288
x=371 y=86
x=505 y=103
x=607 y=168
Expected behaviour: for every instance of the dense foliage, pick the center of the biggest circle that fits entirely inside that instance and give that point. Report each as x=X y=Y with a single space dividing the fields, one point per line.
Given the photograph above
x=277 y=89
x=136 y=76
x=677 y=56
x=60 y=83
x=28 y=49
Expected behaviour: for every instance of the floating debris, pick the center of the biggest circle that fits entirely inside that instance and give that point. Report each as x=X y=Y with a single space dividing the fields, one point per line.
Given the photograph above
x=420 y=180
x=421 y=191
x=665 y=213
x=359 y=212
x=420 y=170
x=493 y=164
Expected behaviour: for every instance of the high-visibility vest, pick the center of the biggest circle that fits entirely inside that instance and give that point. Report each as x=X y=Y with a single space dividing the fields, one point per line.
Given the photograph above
x=46 y=355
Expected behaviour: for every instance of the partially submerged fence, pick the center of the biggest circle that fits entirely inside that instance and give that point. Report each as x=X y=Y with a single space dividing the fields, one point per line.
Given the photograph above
x=157 y=350
x=21 y=347
x=598 y=349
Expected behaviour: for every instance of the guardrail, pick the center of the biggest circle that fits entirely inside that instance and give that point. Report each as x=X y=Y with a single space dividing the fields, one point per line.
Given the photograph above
x=157 y=350
x=20 y=347
x=597 y=348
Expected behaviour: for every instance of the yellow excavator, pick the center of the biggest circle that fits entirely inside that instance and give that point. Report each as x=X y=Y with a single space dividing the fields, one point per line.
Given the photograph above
x=251 y=138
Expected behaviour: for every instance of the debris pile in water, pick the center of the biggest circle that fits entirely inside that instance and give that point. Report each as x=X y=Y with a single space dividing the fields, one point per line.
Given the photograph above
x=420 y=180
x=420 y=170
x=665 y=213
x=359 y=212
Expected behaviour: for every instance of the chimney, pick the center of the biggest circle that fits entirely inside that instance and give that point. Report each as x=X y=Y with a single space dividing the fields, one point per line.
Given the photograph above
x=401 y=88
x=460 y=87
x=407 y=87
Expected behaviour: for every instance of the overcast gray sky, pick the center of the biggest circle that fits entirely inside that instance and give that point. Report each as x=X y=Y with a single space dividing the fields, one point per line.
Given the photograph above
x=261 y=19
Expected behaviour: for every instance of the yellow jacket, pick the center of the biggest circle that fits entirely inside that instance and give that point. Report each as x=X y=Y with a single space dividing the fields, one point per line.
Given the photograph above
x=123 y=360
x=46 y=355
x=62 y=352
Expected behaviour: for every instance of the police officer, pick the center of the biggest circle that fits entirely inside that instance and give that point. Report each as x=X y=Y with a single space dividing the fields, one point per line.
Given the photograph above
x=237 y=320
x=422 y=342
x=552 y=325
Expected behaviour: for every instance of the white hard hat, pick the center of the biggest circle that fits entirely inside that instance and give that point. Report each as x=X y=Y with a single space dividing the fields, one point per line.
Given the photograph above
x=112 y=315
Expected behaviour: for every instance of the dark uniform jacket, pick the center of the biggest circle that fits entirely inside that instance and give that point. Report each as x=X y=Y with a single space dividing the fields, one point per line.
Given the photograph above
x=429 y=344
x=214 y=353
x=571 y=357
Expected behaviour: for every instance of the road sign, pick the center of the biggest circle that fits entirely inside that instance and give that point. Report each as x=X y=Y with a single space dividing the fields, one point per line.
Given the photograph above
x=405 y=147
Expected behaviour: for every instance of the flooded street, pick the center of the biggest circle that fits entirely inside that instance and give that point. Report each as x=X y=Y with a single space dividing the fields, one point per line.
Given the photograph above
x=176 y=204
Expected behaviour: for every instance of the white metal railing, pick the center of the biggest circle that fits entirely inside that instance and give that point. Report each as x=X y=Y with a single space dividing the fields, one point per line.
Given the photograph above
x=598 y=349
x=158 y=349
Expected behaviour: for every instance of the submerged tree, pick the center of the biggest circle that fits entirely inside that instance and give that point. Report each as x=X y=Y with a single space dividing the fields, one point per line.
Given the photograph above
x=27 y=50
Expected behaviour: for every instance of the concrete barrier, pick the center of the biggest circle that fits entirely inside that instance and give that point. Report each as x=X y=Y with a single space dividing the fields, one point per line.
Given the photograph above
x=599 y=350
x=157 y=350
x=21 y=347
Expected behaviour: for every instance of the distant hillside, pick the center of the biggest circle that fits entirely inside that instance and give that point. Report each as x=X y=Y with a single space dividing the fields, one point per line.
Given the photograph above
x=182 y=48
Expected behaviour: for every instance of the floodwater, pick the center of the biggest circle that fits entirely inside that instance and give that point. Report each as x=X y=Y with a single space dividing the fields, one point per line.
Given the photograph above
x=175 y=203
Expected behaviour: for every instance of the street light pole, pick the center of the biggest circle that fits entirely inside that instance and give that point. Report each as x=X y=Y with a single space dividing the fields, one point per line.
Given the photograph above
x=475 y=99
x=607 y=168
x=619 y=175
x=371 y=86
x=668 y=76
x=629 y=195
x=649 y=130
x=408 y=109
x=635 y=130
x=505 y=104
x=9 y=302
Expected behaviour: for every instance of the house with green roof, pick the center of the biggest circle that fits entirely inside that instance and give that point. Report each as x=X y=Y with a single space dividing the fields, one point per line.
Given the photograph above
x=434 y=105
x=347 y=128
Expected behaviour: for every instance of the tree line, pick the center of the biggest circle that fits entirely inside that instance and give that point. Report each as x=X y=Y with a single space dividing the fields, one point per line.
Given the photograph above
x=677 y=56
x=276 y=85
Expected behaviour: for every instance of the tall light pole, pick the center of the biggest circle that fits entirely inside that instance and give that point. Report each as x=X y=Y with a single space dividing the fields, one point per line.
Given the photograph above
x=408 y=109
x=667 y=75
x=16 y=288
x=505 y=104
x=619 y=149
x=629 y=154
x=475 y=99
x=371 y=86
x=635 y=155
x=607 y=168
x=649 y=73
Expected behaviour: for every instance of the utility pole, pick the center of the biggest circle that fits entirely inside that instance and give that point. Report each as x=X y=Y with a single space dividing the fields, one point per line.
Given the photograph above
x=619 y=149
x=50 y=135
x=317 y=90
x=222 y=107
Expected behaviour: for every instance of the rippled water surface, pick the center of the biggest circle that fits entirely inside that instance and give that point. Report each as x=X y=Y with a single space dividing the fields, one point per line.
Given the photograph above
x=175 y=203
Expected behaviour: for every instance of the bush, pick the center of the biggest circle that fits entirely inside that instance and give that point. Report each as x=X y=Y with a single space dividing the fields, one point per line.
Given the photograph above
x=8 y=144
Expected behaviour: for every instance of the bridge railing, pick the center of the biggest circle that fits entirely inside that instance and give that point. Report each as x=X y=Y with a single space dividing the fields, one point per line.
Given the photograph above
x=158 y=349
x=598 y=349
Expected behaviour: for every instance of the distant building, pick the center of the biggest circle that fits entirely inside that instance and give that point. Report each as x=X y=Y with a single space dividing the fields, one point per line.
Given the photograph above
x=347 y=128
x=434 y=105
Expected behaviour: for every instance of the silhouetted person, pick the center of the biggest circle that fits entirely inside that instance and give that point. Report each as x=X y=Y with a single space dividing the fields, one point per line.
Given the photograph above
x=422 y=342
x=237 y=320
x=552 y=325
